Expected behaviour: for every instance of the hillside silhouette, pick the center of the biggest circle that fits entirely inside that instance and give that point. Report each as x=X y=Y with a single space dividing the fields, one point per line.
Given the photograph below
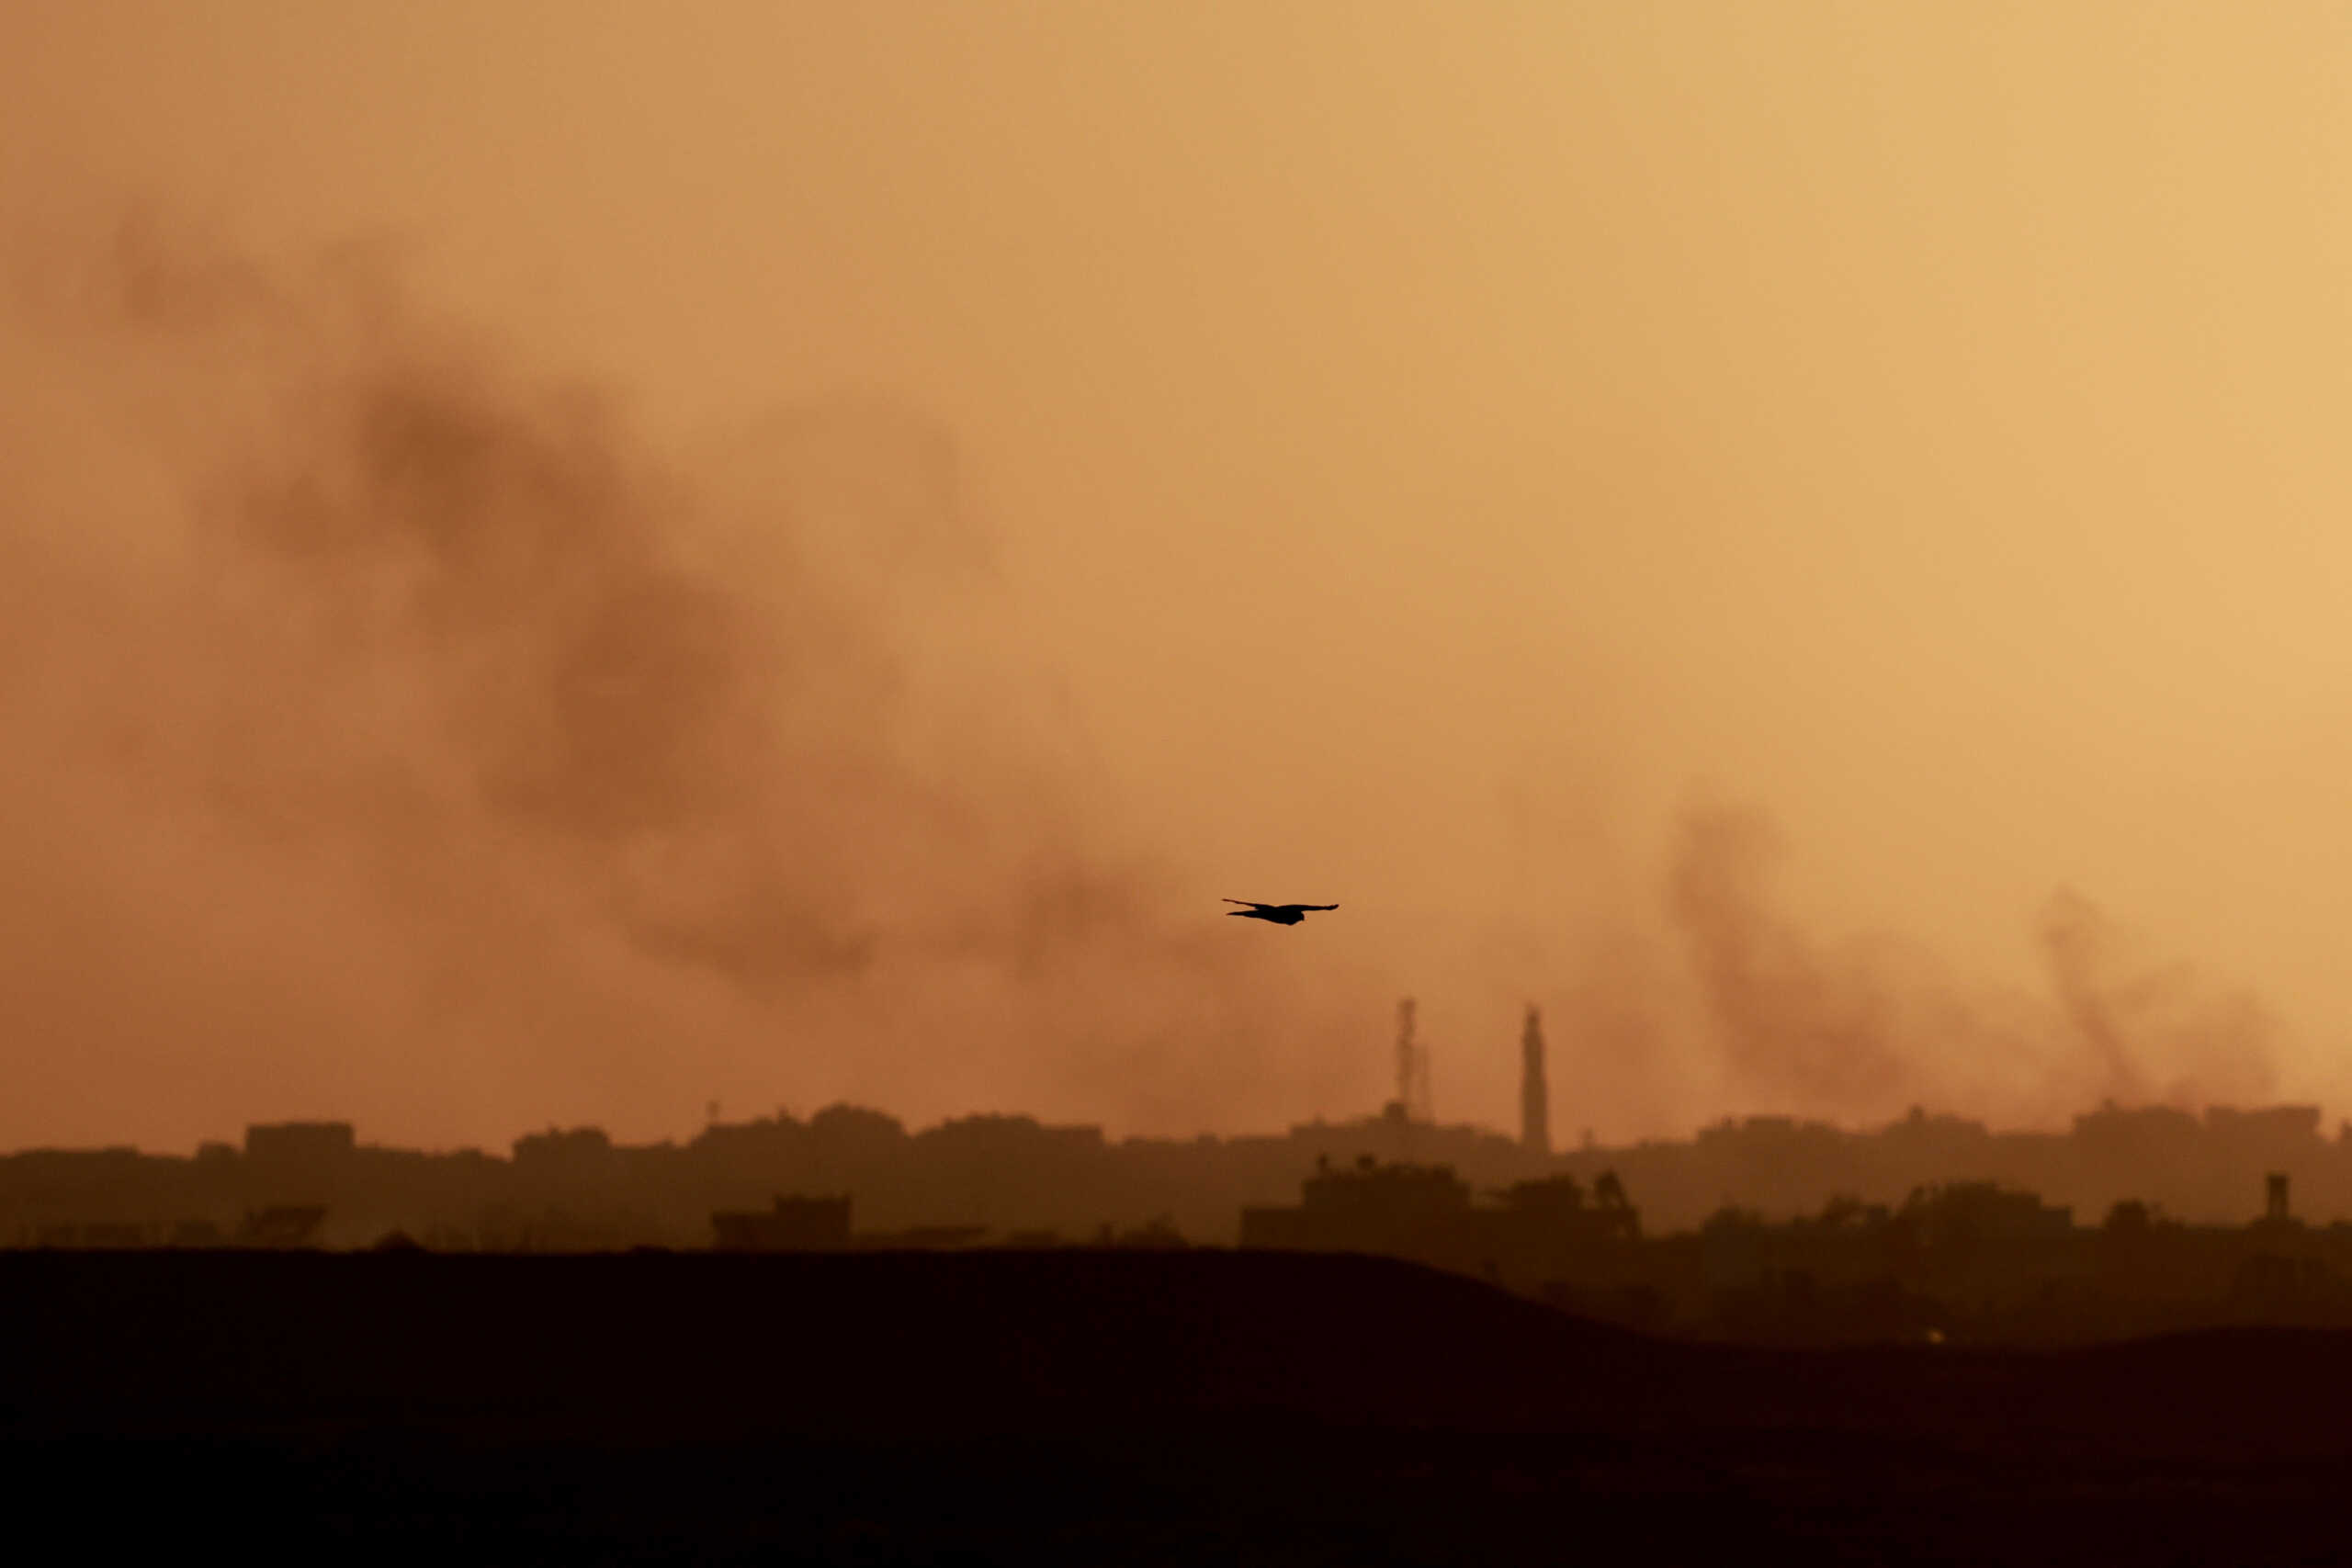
x=892 y=1406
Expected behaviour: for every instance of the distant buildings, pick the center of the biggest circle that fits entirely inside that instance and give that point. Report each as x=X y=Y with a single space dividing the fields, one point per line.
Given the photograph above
x=300 y=1148
x=1527 y=1234
x=292 y=1166
x=794 y=1224
x=1747 y=1207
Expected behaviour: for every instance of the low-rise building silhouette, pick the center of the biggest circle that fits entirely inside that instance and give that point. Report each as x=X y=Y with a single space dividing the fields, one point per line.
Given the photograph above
x=1529 y=1233
x=794 y=1225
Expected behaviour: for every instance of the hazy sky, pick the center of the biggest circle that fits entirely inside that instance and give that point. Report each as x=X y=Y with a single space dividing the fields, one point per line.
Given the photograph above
x=1490 y=466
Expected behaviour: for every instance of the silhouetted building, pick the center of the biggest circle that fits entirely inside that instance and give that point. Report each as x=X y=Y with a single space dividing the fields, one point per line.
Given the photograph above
x=116 y=1234
x=2265 y=1125
x=924 y=1238
x=1031 y=1239
x=1370 y=1207
x=1537 y=1232
x=794 y=1224
x=282 y=1226
x=576 y=1155
x=300 y=1145
x=297 y=1162
x=1985 y=1211
x=1156 y=1235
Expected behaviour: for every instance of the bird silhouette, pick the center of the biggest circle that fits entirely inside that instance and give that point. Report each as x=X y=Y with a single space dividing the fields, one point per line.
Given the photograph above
x=1280 y=914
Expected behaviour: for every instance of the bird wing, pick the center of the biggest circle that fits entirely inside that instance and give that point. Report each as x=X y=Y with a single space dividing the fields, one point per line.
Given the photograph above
x=1314 y=905
x=1252 y=903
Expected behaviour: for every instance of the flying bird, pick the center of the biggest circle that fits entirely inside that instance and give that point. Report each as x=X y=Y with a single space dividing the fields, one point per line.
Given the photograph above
x=1280 y=914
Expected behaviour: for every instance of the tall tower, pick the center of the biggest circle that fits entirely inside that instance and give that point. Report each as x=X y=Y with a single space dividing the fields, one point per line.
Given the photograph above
x=1535 y=1096
x=1406 y=1053
x=1412 y=1102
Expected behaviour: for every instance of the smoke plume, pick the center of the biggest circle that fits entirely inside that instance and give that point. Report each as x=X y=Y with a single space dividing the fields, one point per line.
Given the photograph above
x=1863 y=1030
x=393 y=727
x=389 y=722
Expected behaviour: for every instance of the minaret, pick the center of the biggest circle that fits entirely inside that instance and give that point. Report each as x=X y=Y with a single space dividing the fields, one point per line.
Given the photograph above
x=1535 y=1097
x=1407 y=1059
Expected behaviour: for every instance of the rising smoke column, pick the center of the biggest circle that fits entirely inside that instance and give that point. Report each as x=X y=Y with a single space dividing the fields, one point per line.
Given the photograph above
x=1790 y=1023
x=1863 y=1029
x=2153 y=1032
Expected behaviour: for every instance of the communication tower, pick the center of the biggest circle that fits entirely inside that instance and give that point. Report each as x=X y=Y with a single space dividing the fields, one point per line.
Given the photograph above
x=1412 y=1067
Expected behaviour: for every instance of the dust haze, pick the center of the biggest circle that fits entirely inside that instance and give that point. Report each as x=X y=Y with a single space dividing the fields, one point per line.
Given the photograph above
x=389 y=725
x=560 y=569
x=393 y=726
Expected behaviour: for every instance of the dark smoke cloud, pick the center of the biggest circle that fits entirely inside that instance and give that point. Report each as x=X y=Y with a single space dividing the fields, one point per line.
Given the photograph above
x=385 y=717
x=1867 y=1028
x=1790 y=1020
x=393 y=732
x=2156 y=1033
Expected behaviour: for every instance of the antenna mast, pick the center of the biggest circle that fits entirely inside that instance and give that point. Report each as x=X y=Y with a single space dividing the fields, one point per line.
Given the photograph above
x=1412 y=1067
x=1406 y=1052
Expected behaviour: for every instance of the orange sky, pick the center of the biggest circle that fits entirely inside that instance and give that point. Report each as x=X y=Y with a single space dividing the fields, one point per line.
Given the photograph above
x=1410 y=454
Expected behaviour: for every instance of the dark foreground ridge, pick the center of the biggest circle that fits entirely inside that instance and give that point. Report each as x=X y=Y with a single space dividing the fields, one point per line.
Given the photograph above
x=892 y=1342
x=1100 y=1405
